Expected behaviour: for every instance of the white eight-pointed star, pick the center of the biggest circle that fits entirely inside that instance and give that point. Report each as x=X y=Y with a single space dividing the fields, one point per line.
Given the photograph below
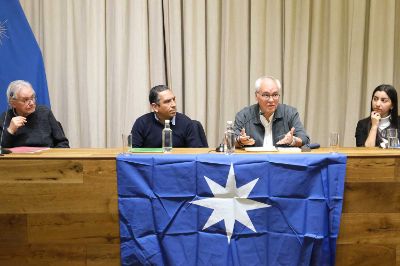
x=230 y=203
x=3 y=30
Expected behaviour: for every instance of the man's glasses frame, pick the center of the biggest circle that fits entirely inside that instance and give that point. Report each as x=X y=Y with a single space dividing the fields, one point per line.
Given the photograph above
x=266 y=96
x=26 y=101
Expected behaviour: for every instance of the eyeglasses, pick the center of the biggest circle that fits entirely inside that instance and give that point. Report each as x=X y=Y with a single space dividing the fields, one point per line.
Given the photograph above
x=26 y=101
x=266 y=96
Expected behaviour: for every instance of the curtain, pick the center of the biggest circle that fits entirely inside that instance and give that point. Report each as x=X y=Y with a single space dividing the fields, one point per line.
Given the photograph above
x=103 y=56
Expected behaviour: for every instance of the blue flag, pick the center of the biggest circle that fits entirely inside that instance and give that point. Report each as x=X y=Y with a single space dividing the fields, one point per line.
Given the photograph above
x=20 y=55
x=210 y=209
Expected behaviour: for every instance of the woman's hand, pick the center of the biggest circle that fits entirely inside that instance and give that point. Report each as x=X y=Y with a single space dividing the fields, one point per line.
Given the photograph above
x=373 y=132
x=375 y=118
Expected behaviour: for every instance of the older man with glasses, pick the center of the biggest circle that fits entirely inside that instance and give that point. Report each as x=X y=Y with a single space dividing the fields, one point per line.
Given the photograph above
x=268 y=122
x=28 y=124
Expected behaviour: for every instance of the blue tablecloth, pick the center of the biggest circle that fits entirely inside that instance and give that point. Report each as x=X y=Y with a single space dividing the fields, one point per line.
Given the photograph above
x=213 y=209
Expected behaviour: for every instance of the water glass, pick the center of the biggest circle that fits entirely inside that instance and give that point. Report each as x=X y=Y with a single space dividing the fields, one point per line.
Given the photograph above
x=391 y=134
x=333 y=141
x=126 y=142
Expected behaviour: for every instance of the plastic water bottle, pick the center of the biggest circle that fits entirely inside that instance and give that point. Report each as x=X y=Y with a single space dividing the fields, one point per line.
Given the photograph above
x=230 y=138
x=167 y=138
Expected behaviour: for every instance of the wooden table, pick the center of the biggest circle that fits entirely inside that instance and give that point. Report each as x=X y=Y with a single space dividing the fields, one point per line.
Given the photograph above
x=59 y=207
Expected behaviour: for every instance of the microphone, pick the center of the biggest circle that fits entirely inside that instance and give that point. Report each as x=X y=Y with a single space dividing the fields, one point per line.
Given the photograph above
x=309 y=147
x=220 y=148
x=3 y=151
x=313 y=145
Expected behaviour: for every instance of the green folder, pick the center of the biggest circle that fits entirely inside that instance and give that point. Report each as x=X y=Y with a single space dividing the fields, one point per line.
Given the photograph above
x=145 y=150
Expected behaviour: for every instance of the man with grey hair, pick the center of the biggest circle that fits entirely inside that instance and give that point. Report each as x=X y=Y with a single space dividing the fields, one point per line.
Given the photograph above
x=268 y=122
x=28 y=124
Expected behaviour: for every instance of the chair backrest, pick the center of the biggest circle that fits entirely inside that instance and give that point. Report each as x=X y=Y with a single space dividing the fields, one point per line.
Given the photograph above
x=200 y=132
x=62 y=129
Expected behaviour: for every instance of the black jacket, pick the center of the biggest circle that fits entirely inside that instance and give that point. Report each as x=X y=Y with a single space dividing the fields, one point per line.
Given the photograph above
x=362 y=131
x=41 y=130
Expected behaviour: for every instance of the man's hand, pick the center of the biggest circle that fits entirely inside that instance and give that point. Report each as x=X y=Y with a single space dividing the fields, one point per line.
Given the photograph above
x=245 y=140
x=288 y=139
x=15 y=123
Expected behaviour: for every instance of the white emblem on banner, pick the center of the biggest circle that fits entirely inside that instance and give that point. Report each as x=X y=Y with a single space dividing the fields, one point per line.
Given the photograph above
x=3 y=31
x=230 y=203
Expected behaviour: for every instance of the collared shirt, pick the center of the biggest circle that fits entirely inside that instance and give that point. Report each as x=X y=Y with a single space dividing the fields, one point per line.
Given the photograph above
x=268 y=141
x=172 y=120
x=285 y=117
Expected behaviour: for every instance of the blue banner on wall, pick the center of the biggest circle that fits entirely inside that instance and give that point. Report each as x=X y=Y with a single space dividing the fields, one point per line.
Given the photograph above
x=20 y=55
x=230 y=210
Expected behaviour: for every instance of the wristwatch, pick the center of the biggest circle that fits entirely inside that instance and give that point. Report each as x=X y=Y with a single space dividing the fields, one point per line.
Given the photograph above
x=239 y=142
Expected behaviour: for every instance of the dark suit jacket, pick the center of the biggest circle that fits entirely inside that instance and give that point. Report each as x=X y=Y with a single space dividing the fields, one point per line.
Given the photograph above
x=362 y=131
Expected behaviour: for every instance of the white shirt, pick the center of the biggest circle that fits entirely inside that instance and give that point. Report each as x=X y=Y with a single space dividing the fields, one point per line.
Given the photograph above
x=268 y=141
x=384 y=123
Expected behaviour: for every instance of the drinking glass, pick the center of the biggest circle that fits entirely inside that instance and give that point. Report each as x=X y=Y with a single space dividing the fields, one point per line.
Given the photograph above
x=126 y=142
x=333 y=141
x=391 y=134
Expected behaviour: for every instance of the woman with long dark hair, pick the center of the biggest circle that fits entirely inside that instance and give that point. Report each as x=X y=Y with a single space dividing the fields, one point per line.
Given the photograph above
x=371 y=131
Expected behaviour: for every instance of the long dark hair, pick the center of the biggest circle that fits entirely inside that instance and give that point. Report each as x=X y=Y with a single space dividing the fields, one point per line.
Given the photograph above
x=392 y=93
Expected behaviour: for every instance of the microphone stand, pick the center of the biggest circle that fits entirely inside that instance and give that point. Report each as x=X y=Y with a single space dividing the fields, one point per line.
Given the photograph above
x=2 y=150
